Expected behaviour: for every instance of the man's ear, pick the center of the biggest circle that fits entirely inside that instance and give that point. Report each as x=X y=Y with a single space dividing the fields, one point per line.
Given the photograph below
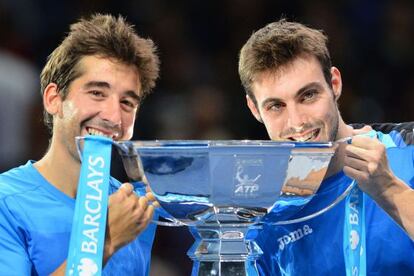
x=253 y=108
x=336 y=81
x=52 y=100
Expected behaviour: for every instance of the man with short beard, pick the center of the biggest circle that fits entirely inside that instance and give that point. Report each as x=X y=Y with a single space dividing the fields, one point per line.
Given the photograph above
x=92 y=84
x=293 y=89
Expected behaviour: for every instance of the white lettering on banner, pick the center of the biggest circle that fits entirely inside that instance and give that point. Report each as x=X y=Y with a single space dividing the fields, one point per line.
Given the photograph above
x=95 y=162
x=353 y=219
x=294 y=236
x=95 y=185
x=90 y=233
x=353 y=214
x=91 y=220
x=92 y=210
x=93 y=204
x=89 y=247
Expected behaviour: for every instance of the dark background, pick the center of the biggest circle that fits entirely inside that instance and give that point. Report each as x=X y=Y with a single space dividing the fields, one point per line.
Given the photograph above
x=199 y=95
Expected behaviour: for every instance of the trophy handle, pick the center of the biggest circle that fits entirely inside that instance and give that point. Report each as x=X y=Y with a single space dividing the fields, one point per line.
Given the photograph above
x=140 y=189
x=330 y=206
x=135 y=172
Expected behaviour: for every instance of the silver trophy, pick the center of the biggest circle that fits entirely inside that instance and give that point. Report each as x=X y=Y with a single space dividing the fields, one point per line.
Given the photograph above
x=226 y=190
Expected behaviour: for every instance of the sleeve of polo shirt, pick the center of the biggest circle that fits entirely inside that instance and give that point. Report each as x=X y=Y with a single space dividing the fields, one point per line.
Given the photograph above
x=14 y=259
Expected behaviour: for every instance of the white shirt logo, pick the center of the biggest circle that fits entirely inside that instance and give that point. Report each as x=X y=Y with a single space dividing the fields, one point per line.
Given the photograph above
x=294 y=236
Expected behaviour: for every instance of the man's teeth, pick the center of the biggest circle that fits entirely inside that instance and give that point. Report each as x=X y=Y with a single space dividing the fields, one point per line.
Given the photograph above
x=306 y=137
x=92 y=131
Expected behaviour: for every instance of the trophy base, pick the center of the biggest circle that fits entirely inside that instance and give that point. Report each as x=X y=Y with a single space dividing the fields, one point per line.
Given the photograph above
x=221 y=268
x=223 y=250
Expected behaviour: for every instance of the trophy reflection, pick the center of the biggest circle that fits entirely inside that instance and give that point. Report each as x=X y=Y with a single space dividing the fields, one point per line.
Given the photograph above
x=226 y=190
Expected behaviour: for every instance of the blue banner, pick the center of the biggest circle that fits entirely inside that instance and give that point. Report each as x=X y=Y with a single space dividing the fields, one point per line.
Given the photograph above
x=89 y=222
x=354 y=233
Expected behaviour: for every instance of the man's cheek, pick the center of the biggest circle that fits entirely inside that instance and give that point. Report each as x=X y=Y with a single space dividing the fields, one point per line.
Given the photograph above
x=128 y=133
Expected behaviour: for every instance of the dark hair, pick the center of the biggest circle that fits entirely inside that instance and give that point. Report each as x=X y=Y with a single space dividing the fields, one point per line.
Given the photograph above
x=278 y=44
x=105 y=36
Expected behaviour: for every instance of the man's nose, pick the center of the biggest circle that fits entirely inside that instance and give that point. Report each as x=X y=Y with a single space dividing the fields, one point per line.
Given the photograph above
x=295 y=117
x=112 y=111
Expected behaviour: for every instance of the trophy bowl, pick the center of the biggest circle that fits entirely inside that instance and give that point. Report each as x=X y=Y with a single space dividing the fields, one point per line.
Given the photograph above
x=226 y=189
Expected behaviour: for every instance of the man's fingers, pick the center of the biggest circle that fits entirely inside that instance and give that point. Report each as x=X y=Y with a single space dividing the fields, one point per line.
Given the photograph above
x=365 y=142
x=362 y=130
x=358 y=175
x=123 y=193
x=149 y=213
x=155 y=204
x=150 y=196
x=143 y=202
x=152 y=199
x=145 y=219
x=357 y=152
x=355 y=163
x=127 y=188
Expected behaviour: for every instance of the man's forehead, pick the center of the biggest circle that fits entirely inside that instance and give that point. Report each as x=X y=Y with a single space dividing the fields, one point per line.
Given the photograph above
x=266 y=82
x=88 y=63
x=93 y=61
x=293 y=75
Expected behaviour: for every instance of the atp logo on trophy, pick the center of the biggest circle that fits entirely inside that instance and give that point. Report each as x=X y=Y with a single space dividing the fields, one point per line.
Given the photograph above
x=247 y=175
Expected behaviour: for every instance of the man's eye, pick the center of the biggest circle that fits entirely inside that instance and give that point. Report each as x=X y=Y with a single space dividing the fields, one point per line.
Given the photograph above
x=275 y=107
x=96 y=93
x=309 y=95
x=129 y=103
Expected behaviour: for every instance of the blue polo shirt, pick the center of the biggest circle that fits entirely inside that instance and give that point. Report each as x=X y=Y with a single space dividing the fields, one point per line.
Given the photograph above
x=35 y=225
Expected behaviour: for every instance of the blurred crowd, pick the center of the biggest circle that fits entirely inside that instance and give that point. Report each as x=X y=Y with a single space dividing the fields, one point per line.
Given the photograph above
x=199 y=95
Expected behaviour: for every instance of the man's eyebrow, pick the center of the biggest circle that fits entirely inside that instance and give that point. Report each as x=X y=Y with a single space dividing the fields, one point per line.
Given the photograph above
x=271 y=100
x=100 y=84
